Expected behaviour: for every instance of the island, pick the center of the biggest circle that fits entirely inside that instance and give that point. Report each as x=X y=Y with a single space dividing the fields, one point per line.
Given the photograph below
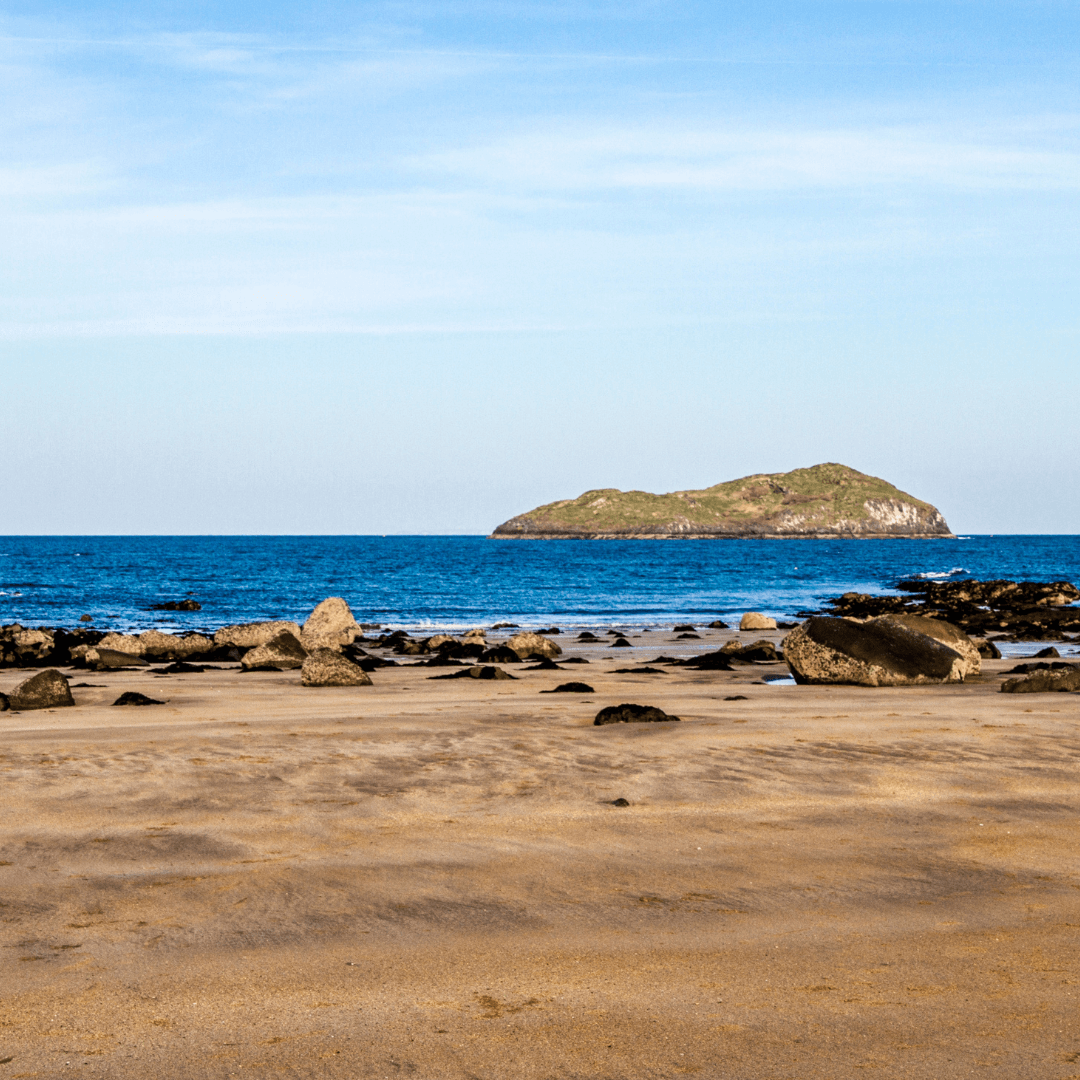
x=828 y=501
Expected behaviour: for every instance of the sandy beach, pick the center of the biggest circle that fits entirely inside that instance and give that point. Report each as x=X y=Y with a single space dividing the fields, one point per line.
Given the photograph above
x=429 y=878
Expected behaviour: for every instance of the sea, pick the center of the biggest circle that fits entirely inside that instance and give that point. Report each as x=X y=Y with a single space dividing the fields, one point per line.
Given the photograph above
x=455 y=582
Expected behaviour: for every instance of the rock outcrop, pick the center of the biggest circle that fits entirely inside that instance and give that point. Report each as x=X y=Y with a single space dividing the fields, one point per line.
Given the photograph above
x=330 y=626
x=327 y=667
x=1061 y=680
x=882 y=652
x=1009 y=610
x=827 y=500
x=628 y=713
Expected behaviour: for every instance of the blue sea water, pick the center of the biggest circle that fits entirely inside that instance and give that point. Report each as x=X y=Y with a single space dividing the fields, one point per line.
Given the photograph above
x=461 y=581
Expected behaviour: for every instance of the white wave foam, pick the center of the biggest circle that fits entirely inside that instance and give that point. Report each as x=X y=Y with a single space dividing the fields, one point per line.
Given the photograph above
x=934 y=575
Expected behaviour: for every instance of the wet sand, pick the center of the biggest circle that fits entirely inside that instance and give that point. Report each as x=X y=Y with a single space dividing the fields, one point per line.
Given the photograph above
x=429 y=879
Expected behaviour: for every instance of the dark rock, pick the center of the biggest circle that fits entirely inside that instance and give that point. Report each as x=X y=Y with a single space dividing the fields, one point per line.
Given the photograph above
x=550 y=630
x=736 y=697
x=133 y=697
x=883 y=652
x=668 y=659
x=1049 y=653
x=47 y=689
x=544 y=665
x=718 y=624
x=570 y=688
x=477 y=672
x=470 y=650
x=587 y=636
x=574 y=660
x=631 y=714
x=786 y=625
x=441 y=660
x=177 y=605
x=621 y=643
x=711 y=661
x=638 y=671
x=5 y=703
x=620 y=802
x=327 y=667
x=683 y=628
x=179 y=668
x=86 y=618
x=697 y=637
x=505 y=626
x=499 y=654
x=757 y=652
x=281 y=653
x=1063 y=680
x=988 y=650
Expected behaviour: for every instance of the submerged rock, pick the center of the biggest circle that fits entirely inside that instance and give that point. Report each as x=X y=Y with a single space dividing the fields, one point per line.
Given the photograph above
x=327 y=667
x=47 y=689
x=883 y=652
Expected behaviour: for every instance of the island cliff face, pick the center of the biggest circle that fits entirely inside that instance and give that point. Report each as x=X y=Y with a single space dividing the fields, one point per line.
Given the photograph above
x=825 y=501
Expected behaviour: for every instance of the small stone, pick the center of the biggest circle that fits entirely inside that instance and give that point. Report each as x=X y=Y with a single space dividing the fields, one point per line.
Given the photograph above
x=571 y=688
x=621 y=643
x=718 y=624
x=683 y=628
x=86 y=618
x=736 y=697
x=620 y=802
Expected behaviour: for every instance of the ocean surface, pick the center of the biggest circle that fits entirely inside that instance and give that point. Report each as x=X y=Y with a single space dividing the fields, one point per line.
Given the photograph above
x=419 y=582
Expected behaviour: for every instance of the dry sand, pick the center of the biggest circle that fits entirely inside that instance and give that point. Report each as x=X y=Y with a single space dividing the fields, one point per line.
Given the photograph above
x=428 y=879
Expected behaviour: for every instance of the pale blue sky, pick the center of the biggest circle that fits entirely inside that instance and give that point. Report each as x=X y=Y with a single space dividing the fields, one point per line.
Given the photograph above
x=412 y=267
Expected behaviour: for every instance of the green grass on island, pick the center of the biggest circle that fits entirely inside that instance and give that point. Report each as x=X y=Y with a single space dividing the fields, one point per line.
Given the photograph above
x=823 y=500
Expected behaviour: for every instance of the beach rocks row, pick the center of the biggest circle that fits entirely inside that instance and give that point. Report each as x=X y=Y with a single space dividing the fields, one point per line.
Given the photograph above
x=1009 y=610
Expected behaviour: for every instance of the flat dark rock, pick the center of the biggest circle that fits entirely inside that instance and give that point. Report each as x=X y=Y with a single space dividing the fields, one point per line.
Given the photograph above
x=544 y=665
x=178 y=668
x=696 y=637
x=133 y=697
x=477 y=672
x=621 y=643
x=587 y=636
x=571 y=688
x=574 y=660
x=712 y=661
x=1045 y=682
x=736 y=697
x=638 y=671
x=665 y=660
x=631 y=714
x=620 y=802
x=683 y=628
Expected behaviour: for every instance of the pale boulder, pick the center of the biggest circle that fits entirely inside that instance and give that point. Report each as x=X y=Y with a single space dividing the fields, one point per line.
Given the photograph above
x=251 y=635
x=754 y=620
x=330 y=626
x=327 y=667
x=528 y=644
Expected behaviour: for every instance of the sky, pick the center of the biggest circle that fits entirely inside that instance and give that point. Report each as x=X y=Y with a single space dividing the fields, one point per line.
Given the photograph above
x=413 y=267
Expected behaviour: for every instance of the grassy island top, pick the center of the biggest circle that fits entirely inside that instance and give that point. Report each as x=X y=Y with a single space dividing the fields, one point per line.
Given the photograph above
x=823 y=500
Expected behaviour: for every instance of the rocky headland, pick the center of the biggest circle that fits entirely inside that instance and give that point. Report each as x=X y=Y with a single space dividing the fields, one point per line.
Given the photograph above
x=827 y=501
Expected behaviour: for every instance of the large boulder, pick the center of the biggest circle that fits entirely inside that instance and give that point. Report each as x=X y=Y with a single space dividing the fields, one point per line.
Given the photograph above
x=281 y=653
x=881 y=652
x=330 y=626
x=252 y=635
x=528 y=644
x=327 y=667
x=1062 y=680
x=154 y=645
x=47 y=689
x=754 y=620
x=946 y=633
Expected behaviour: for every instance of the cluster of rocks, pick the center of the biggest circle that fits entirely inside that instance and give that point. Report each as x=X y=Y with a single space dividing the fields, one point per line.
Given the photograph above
x=1001 y=610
